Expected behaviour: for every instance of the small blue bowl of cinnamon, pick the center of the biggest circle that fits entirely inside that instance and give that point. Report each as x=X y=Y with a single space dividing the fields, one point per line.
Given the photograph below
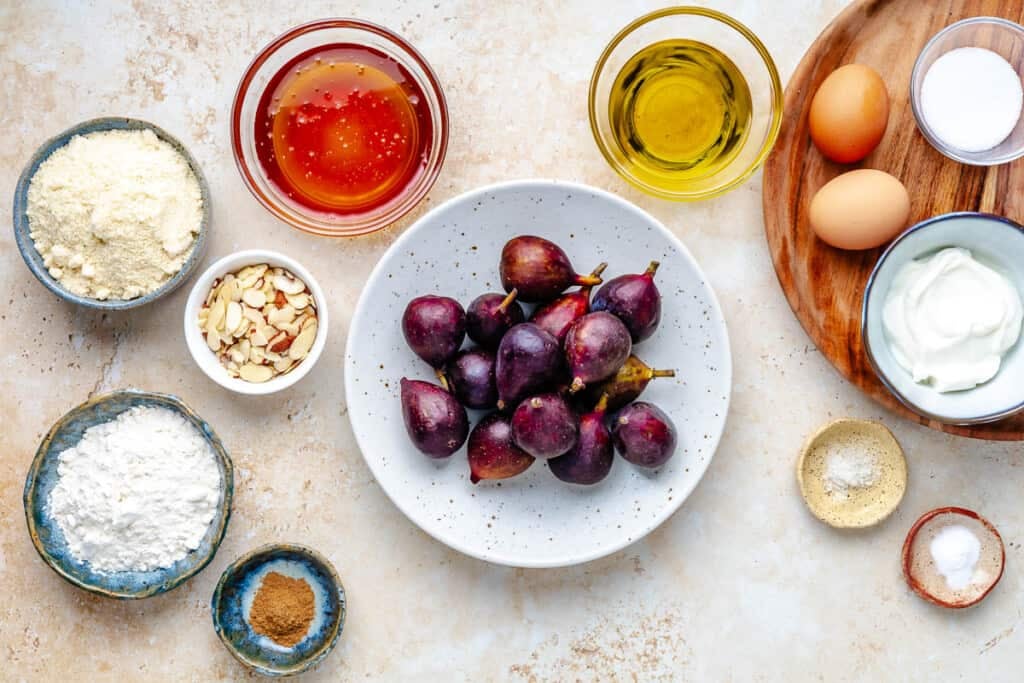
x=279 y=609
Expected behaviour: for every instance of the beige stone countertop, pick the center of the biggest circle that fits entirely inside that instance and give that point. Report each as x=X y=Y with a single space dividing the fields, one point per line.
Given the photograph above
x=741 y=584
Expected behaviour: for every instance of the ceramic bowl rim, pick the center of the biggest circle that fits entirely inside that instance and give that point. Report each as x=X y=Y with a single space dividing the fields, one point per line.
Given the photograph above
x=33 y=259
x=906 y=558
x=223 y=457
x=915 y=105
x=876 y=367
x=718 y=320
x=299 y=219
x=336 y=627
x=777 y=97
x=201 y=353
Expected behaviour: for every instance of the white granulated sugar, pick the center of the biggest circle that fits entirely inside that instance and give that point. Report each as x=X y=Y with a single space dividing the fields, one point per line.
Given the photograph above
x=972 y=98
x=136 y=493
x=114 y=214
x=847 y=467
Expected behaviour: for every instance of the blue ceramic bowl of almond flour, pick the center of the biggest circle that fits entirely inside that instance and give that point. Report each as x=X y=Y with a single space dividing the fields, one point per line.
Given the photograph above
x=46 y=533
x=34 y=260
x=233 y=598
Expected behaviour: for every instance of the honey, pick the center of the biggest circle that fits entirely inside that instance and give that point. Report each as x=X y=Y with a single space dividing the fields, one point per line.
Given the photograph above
x=679 y=110
x=343 y=129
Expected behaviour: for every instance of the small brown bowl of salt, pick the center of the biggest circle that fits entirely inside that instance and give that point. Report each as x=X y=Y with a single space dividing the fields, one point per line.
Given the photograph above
x=852 y=473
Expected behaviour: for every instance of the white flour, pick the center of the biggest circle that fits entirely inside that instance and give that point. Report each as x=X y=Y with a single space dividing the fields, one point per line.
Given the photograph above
x=114 y=213
x=136 y=493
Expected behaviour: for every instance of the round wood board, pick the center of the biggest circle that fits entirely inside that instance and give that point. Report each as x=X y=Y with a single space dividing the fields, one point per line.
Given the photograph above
x=825 y=286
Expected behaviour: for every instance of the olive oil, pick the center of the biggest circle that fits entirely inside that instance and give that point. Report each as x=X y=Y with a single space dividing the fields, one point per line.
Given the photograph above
x=680 y=110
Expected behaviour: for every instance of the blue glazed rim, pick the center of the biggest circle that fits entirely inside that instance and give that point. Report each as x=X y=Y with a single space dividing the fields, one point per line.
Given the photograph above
x=27 y=247
x=46 y=535
x=237 y=636
x=891 y=386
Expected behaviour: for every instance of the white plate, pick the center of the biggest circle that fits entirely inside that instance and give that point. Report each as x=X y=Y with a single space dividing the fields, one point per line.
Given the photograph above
x=535 y=520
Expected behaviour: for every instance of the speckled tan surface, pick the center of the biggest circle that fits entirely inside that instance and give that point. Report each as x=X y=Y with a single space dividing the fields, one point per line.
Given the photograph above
x=742 y=584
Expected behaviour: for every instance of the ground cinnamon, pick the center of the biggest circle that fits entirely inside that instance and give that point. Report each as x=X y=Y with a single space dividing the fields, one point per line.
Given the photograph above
x=282 y=609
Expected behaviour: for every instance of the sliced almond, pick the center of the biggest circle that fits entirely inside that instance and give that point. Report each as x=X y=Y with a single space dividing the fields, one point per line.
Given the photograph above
x=255 y=373
x=215 y=318
x=280 y=299
x=291 y=328
x=251 y=274
x=303 y=343
x=283 y=365
x=256 y=354
x=308 y=322
x=258 y=338
x=255 y=298
x=213 y=340
x=237 y=356
x=280 y=315
x=252 y=314
x=298 y=301
x=232 y=317
x=280 y=343
x=287 y=285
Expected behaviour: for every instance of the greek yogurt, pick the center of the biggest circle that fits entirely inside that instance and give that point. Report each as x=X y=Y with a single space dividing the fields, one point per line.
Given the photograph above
x=949 y=319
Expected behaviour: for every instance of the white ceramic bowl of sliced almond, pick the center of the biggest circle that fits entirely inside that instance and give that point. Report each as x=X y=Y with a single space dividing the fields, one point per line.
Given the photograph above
x=256 y=322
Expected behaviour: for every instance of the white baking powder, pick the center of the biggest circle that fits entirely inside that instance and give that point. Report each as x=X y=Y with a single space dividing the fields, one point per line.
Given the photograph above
x=847 y=467
x=136 y=493
x=972 y=98
x=114 y=214
x=956 y=551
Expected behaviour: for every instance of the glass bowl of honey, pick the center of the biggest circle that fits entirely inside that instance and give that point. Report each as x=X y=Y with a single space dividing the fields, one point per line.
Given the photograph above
x=339 y=127
x=685 y=103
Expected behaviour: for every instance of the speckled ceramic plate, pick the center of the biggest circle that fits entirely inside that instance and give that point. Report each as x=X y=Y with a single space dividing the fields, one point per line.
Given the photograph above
x=535 y=520
x=858 y=507
x=233 y=598
x=42 y=477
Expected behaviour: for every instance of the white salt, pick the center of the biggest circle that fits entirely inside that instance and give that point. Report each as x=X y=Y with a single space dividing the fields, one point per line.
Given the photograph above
x=956 y=551
x=848 y=467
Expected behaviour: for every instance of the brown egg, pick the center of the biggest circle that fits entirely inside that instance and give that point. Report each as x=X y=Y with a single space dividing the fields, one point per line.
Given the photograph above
x=860 y=209
x=849 y=113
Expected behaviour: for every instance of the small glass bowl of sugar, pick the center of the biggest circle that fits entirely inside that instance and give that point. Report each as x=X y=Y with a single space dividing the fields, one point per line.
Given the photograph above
x=966 y=91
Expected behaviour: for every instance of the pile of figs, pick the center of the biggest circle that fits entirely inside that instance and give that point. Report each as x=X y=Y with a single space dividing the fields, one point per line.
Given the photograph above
x=560 y=384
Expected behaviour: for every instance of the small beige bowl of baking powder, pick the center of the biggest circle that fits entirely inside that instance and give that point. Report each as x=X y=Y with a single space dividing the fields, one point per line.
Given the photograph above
x=852 y=473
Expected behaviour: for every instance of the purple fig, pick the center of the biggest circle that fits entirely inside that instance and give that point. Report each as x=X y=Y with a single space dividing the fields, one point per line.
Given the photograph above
x=635 y=300
x=434 y=327
x=626 y=385
x=596 y=346
x=644 y=435
x=529 y=360
x=539 y=269
x=590 y=460
x=470 y=376
x=556 y=316
x=492 y=453
x=435 y=421
x=544 y=426
x=490 y=316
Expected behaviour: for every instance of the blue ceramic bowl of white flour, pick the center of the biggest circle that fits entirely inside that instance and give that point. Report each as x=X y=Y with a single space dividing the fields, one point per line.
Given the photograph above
x=43 y=476
x=34 y=260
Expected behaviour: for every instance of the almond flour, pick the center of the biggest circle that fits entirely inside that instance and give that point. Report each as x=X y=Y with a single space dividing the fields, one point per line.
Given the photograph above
x=114 y=214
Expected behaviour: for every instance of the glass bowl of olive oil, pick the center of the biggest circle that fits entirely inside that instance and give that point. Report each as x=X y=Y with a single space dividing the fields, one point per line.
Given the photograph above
x=685 y=103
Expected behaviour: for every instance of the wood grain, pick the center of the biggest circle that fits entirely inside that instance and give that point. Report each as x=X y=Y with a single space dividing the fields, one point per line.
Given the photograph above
x=825 y=286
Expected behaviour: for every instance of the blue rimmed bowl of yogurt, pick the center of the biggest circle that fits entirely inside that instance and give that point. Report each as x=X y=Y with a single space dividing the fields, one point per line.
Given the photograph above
x=941 y=319
x=88 y=542
x=232 y=605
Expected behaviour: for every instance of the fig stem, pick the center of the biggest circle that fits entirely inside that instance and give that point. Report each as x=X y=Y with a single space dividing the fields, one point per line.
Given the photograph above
x=596 y=272
x=602 y=404
x=594 y=278
x=663 y=373
x=443 y=379
x=652 y=268
x=507 y=301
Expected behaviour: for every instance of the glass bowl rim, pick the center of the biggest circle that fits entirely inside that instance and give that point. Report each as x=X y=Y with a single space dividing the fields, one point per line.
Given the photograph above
x=411 y=196
x=776 y=97
x=915 y=104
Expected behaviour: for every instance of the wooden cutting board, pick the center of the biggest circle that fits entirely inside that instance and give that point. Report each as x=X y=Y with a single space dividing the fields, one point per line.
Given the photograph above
x=825 y=286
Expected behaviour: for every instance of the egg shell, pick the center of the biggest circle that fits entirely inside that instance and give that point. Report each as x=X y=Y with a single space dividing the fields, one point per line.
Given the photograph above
x=849 y=113
x=860 y=209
